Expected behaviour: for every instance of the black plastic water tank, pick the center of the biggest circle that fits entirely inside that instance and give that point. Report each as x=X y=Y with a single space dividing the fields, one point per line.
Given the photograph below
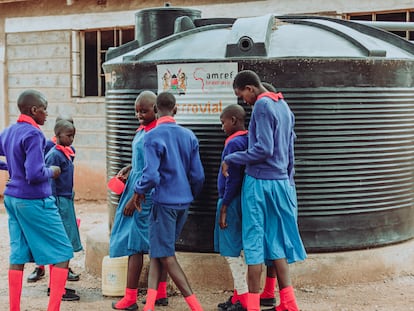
x=351 y=88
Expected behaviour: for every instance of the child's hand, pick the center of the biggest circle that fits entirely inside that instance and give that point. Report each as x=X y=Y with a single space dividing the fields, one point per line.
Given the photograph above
x=56 y=171
x=124 y=173
x=223 y=216
x=134 y=204
x=225 y=169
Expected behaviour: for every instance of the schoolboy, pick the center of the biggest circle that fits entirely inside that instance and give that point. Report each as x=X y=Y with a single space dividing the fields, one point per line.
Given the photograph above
x=35 y=226
x=269 y=207
x=173 y=168
x=227 y=231
x=62 y=155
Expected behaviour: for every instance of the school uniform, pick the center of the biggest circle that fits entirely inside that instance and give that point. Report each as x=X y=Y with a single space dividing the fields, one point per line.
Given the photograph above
x=269 y=204
x=129 y=234
x=35 y=227
x=62 y=190
x=173 y=169
x=228 y=242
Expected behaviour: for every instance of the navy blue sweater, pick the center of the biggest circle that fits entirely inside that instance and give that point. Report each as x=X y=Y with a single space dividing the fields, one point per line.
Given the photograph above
x=23 y=145
x=172 y=166
x=229 y=187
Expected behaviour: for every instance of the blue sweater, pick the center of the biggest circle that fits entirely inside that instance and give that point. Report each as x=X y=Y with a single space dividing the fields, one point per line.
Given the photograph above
x=63 y=185
x=270 y=154
x=229 y=187
x=23 y=146
x=172 y=166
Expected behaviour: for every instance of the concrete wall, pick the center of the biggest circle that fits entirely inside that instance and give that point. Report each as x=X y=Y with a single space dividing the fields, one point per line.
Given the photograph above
x=35 y=52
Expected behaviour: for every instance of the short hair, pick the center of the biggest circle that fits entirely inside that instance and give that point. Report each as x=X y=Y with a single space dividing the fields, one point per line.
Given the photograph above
x=246 y=77
x=165 y=101
x=63 y=125
x=64 y=117
x=234 y=110
x=146 y=96
x=30 y=98
x=269 y=87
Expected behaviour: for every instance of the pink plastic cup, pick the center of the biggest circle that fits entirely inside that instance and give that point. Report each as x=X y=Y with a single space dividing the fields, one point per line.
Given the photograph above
x=116 y=185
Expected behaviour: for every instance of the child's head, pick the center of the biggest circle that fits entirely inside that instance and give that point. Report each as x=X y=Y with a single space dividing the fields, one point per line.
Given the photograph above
x=269 y=87
x=145 y=109
x=64 y=117
x=65 y=132
x=247 y=86
x=232 y=119
x=166 y=104
x=34 y=104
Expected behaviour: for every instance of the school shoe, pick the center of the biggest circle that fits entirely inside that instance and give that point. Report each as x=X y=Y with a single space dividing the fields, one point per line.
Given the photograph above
x=132 y=307
x=161 y=302
x=69 y=295
x=223 y=306
x=236 y=307
x=36 y=275
x=267 y=302
x=72 y=276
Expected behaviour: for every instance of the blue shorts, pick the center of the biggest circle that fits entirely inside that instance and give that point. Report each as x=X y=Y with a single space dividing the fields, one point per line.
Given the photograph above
x=228 y=241
x=36 y=232
x=165 y=227
x=269 y=213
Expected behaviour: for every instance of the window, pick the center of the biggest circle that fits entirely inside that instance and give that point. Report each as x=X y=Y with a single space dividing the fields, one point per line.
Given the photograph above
x=95 y=45
x=394 y=16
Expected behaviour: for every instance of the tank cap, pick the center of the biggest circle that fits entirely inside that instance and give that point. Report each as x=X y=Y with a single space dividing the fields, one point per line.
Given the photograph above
x=250 y=36
x=245 y=43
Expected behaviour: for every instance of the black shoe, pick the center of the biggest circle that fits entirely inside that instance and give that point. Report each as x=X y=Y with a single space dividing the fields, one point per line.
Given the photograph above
x=236 y=307
x=132 y=307
x=162 y=302
x=267 y=302
x=36 y=275
x=73 y=277
x=70 y=296
x=67 y=290
x=223 y=306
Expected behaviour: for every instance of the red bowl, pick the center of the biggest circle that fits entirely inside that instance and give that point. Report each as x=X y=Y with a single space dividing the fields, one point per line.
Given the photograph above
x=116 y=185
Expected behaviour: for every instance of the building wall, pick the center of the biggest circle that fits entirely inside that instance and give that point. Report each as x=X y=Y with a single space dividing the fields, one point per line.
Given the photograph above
x=35 y=52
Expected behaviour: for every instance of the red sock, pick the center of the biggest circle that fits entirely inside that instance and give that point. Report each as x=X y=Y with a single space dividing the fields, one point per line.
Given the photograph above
x=269 y=289
x=243 y=300
x=253 y=302
x=162 y=290
x=50 y=273
x=15 y=289
x=151 y=296
x=57 y=288
x=235 y=297
x=287 y=300
x=193 y=303
x=128 y=300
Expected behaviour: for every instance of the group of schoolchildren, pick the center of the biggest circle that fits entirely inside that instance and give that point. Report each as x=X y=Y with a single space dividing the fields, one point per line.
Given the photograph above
x=256 y=218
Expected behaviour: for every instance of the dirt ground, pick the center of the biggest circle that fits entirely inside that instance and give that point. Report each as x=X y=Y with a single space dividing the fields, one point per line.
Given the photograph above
x=386 y=295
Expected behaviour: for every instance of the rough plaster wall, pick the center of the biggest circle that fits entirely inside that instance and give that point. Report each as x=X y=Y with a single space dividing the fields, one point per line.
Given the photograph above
x=42 y=61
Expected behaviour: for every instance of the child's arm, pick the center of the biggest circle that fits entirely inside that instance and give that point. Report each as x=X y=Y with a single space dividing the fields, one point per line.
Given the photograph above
x=196 y=177
x=3 y=165
x=35 y=167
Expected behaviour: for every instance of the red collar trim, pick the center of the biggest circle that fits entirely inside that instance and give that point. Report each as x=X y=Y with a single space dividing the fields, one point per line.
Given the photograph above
x=238 y=133
x=166 y=119
x=274 y=96
x=66 y=150
x=27 y=119
x=148 y=127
